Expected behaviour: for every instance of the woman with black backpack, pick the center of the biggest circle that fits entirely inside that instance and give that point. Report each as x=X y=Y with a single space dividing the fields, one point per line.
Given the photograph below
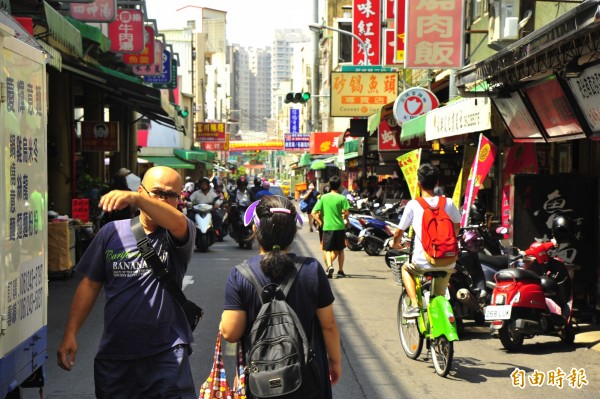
x=309 y=296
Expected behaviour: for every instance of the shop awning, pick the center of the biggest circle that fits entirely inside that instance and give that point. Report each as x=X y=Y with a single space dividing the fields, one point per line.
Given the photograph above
x=124 y=89
x=350 y=155
x=330 y=159
x=351 y=146
x=63 y=31
x=197 y=155
x=91 y=33
x=304 y=160
x=318 y=164
x=413 y=128
x=171 y=162
x=384 y=113
x=571 y=37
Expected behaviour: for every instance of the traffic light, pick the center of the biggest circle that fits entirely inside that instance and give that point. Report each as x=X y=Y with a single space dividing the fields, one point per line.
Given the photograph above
x=297 y=98
x=183 y=112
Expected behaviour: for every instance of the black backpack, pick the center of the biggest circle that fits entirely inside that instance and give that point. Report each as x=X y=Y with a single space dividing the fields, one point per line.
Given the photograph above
x=279 y=357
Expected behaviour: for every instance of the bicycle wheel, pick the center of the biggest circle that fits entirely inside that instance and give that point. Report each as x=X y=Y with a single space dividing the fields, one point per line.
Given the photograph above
x=410 y=337
x=442 y=352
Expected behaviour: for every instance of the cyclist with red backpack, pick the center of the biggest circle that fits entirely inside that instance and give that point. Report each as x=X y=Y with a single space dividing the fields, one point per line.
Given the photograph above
x=435 y=221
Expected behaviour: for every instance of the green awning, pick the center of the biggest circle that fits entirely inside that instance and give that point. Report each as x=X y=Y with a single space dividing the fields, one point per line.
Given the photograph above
x=208 y=165
x=91 y=33
x=304 y=160
x=350 y=155
x=118 y=74
x=351 y=146
x=63 y=31
x=413 y=128
x=374 y=121
x=172 y=162
x=330 y=159
x=318 y=164
x=197 y=155
x=55 y=58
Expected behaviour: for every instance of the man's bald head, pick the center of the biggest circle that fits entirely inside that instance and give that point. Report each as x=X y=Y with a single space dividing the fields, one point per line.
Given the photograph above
x=162 y=177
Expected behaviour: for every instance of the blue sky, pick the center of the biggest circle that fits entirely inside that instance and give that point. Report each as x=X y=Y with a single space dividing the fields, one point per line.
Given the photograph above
x=249 y=23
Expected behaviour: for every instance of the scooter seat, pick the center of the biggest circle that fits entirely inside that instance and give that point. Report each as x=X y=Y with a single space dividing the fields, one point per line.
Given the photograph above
x=497 y=262
x=517 y=274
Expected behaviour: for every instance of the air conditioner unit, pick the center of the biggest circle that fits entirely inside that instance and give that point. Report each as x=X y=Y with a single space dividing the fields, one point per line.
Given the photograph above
x=503 y=23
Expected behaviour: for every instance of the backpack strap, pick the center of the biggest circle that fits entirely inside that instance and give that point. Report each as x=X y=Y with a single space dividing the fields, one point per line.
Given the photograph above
x=441 y=203
x=285 y=285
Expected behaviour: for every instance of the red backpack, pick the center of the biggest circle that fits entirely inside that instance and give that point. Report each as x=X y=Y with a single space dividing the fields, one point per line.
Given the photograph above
x=437 y=234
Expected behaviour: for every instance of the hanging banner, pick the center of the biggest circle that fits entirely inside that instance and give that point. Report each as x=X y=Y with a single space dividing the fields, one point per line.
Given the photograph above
x=461 y=182
x=98 y=11
x=486 y=153
x=409 y=164
x=366 y=24
x=146 y=57
x=156 y=69
x=434 y=34
x=519 y=159
x=126 y=33
x=255 y=145
x=297 y=141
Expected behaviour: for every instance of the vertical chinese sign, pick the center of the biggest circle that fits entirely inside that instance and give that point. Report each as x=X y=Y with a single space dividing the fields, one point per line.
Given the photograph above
x=400 y=25
x=146 y=57
x=127 y=32
x=434 y=34
x=294 y=120
x=366 y=24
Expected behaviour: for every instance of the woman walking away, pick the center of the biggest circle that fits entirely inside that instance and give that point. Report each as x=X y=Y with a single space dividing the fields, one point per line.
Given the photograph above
x=310 y=295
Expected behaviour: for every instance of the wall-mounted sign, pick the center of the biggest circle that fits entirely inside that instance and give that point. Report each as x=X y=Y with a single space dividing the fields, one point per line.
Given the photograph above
x=156 y=69
x=217 y=146
x=96 y=11
x=210 y=131
x=294 y=120
x=586 y=89
x=414 y=102
x=518 y=119
x=296 y=141
x=361 y=93
x=434 y=34
x=554 y=110
x=126 y=32
x=99 y=136
x=324 y=143
x=468 y=115
x=146 y=57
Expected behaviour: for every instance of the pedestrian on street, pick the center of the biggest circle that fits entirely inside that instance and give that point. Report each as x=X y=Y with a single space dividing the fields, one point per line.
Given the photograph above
x=310 y=295
x=331 y=212
x=310 y=197
x=146 y=340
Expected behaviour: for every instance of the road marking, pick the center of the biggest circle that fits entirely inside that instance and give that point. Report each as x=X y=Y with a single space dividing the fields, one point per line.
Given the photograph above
x=221 y=259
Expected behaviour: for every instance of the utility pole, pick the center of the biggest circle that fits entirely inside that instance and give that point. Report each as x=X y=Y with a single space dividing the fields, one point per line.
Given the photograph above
x=314 y=82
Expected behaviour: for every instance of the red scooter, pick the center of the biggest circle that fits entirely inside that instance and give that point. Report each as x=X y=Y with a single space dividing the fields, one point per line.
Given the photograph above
x=533 y=297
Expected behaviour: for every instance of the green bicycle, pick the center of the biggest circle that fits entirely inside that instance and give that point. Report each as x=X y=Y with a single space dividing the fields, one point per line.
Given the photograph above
x=436 y=323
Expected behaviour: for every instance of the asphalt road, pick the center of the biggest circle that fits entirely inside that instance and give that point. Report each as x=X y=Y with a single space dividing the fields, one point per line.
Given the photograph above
x=374 y=365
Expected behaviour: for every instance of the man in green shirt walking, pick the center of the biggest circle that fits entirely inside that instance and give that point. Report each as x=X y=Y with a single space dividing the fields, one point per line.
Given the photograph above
x=331 y=212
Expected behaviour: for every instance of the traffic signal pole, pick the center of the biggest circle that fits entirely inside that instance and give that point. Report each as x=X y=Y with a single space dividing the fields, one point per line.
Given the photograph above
x=314 y=83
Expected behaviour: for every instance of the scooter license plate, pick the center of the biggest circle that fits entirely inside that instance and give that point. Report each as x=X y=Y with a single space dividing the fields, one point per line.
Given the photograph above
x=498 y=312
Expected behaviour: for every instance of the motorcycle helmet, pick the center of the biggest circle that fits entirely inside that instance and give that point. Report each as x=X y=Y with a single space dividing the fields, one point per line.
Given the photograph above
x=471 y=240
x=257 y=181
x=561 y=230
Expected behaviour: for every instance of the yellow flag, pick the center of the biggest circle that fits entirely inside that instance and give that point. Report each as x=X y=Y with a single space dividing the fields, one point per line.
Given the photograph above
x=409 y=164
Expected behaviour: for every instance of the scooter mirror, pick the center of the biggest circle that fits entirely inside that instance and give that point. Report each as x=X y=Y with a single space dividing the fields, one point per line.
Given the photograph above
x=502 y=230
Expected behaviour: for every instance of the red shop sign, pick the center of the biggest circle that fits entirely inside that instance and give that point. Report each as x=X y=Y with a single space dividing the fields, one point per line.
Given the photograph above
x=127 y=32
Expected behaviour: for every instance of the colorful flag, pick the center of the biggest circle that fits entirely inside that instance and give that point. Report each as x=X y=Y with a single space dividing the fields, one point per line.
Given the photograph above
x=486 y=153
x=409 y=164
x=459 y=189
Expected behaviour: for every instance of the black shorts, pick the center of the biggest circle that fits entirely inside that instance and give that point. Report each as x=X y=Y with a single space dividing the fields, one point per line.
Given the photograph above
x=334 y=240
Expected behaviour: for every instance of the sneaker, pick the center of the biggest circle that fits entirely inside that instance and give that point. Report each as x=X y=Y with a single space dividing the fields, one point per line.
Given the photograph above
x=341 y=274
x=330 y=272
x=411 y=311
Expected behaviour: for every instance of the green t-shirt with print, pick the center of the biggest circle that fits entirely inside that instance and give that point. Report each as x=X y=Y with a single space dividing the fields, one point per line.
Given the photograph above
x=331 y=206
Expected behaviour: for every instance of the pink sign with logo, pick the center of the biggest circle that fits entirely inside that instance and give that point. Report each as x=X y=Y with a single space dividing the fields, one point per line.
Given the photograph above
x=98 y=11
x=366 y=24
x=434 y=34
x=127 y=32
